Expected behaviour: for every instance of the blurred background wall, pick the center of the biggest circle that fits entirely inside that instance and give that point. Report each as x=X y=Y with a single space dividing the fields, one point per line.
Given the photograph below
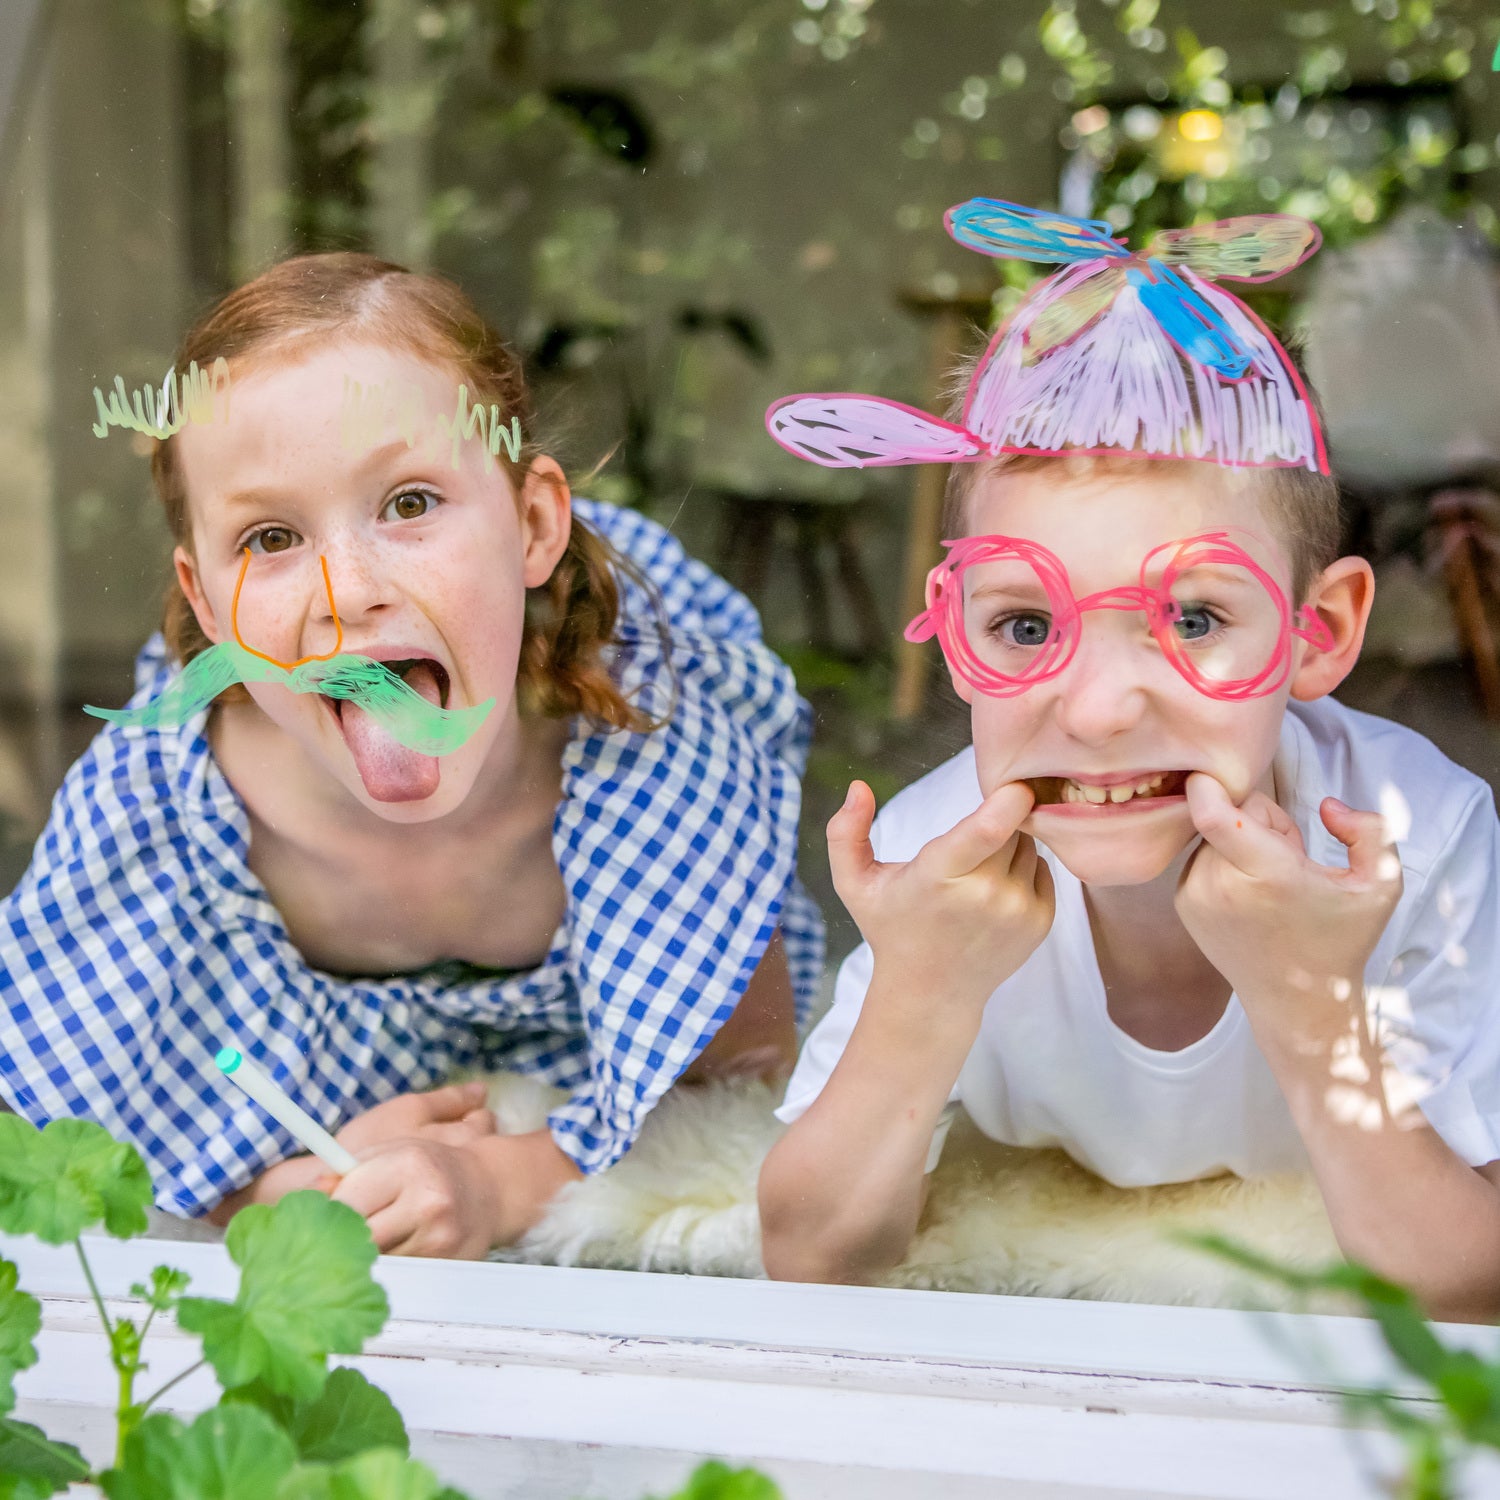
x=678 y=210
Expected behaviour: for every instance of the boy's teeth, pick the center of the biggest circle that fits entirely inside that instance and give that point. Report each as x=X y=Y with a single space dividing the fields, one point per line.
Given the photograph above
x=1077 y=791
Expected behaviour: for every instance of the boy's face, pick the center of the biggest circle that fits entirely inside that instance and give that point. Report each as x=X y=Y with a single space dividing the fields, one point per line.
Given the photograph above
x=428 y=563
x=1118 y=714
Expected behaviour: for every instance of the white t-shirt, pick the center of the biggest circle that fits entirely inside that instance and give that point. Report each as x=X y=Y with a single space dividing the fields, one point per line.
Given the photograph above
x=1050 y=1068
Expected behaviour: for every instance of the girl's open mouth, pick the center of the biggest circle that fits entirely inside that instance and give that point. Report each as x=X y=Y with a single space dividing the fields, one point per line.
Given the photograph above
x=421 y=673
x=1146 y=790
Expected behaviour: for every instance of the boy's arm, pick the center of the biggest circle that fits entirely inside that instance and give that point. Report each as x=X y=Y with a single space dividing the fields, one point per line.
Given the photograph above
x=840 y=1194
x=1293 y=937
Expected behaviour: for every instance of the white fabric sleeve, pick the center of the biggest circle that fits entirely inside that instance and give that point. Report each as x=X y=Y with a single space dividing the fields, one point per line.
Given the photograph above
x=826 y=1043
x=1436 y=1012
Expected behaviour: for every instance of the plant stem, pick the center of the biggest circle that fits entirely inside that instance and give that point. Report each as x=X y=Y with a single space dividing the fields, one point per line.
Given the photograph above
x=83 y=1260
x=156 y=1396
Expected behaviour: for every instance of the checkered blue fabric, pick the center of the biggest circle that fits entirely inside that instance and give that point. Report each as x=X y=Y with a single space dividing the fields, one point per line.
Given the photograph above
x=139 y=941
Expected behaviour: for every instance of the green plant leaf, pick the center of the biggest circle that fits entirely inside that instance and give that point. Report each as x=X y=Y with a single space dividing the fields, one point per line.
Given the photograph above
x=376 y=1474
x=717 y=1481
x=165 y=1287
x=305 y=1292
x=346 y=1417
x=230 y=1453
x=20 y=1322
x=1407 y=1333
x=59 y=1181
x=32 y=1465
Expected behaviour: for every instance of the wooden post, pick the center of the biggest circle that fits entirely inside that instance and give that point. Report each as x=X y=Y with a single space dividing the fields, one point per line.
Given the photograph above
x=1458 y=513
x=403 y=104
x=951 y=318
x=260 y=135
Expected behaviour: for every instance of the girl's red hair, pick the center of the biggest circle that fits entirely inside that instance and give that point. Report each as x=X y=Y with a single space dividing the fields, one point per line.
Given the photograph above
x=570 y=620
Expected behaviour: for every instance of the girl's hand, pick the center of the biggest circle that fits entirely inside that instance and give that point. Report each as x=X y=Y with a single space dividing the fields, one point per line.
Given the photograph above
x=454 y=1198
x=423 y=1197
x=965 y=914
x=1289 y=934
x=452 y=1114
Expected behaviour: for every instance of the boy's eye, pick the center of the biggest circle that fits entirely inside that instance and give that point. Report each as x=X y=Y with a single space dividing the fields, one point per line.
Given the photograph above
x=408 y=506
x=272 y=539
x=1194 y=622
x=1022 y=629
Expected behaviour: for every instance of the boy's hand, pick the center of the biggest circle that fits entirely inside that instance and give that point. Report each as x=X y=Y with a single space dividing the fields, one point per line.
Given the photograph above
x=968 y=911
x=1286 y=932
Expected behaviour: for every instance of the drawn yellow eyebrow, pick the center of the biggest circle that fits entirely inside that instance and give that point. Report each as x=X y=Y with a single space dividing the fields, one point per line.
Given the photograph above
x=239 y=640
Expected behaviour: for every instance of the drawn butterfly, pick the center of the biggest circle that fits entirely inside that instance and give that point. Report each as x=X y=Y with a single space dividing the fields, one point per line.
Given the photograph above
x=1276 y=426
x=1256 y=247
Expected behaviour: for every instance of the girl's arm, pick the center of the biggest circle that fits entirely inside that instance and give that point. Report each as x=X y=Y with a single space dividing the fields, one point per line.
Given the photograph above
x=760 y=1037
x=453 y=1113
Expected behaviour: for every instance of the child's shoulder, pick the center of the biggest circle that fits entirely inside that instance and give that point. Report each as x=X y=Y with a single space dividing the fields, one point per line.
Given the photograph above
x=126 y=805
x=694 y=597
x=929 y=807
x=1370 y=762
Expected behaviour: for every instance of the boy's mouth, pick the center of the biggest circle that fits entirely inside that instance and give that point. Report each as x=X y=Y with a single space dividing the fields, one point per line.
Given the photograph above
x=1128 y=789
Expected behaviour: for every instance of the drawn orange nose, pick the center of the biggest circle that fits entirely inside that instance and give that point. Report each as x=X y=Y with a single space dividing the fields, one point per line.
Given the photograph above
x=234 y=620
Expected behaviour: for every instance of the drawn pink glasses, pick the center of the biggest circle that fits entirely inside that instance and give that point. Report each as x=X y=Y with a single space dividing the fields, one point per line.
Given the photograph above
x=1006 y=616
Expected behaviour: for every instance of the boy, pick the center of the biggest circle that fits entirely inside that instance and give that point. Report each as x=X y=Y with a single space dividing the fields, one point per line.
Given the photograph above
x=1175 y=911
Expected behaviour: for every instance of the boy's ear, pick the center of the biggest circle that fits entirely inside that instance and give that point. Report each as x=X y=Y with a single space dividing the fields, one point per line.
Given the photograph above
x=546 y=520
x=187 y=581
x=1341 y=597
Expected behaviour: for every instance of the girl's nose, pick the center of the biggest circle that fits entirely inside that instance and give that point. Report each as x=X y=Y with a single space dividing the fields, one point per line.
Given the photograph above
x=360 y=585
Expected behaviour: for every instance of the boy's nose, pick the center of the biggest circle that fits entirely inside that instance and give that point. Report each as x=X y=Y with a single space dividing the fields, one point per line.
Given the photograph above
x=1103 y=691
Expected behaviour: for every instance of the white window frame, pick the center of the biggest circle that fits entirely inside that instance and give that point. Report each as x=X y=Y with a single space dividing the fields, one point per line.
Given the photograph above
x=614 y=1382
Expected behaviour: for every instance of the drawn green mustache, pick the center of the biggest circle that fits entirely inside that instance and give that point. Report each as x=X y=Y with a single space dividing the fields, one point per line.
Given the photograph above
x=400 y=710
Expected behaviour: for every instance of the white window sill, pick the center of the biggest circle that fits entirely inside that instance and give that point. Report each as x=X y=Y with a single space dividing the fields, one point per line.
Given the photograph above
x=543 y=1382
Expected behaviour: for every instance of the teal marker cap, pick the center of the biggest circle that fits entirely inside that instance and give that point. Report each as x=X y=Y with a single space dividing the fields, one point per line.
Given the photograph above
x=228 y=1059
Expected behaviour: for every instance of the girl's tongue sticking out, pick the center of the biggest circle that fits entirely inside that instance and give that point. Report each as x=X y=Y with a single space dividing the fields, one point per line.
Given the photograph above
x=391 y=772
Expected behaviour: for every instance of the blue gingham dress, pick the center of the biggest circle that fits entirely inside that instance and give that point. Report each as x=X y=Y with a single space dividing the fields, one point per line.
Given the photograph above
x=139 y=941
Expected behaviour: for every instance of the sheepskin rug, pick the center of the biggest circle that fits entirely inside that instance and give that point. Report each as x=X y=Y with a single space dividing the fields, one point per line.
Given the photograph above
x=1025 y=1223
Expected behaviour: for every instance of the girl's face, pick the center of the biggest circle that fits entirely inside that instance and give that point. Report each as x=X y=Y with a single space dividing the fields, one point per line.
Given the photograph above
x=1119 y=716
x=429 y=564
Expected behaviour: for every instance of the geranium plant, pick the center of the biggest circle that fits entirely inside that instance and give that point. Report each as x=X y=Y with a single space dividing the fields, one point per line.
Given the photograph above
x=286 y=1427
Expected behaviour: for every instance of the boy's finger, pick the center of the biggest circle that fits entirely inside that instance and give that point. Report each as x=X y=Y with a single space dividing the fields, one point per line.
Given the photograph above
x=1023 y=861
x=1270 y=814
x=986 y=831
x=1042 y=884
x=850 y=855
x=1242 y=838
x=1373 y=855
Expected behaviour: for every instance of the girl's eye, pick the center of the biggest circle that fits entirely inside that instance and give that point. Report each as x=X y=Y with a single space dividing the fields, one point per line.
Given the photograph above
x=1194 y=622
x=272 y=539
x=408 y=506
x=1022 y=629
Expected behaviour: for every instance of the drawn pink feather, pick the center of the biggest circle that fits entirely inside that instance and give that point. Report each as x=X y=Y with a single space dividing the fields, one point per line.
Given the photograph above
x=845 y=431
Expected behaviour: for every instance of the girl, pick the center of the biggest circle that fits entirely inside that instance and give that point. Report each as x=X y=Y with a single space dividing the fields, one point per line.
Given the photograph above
x=597 y=887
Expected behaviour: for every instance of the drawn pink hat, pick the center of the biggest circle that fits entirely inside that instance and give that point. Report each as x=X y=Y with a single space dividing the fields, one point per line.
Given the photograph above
x=1119 y=351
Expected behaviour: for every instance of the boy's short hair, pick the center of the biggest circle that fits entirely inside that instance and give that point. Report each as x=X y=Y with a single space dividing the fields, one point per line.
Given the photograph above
x=1302 y=503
